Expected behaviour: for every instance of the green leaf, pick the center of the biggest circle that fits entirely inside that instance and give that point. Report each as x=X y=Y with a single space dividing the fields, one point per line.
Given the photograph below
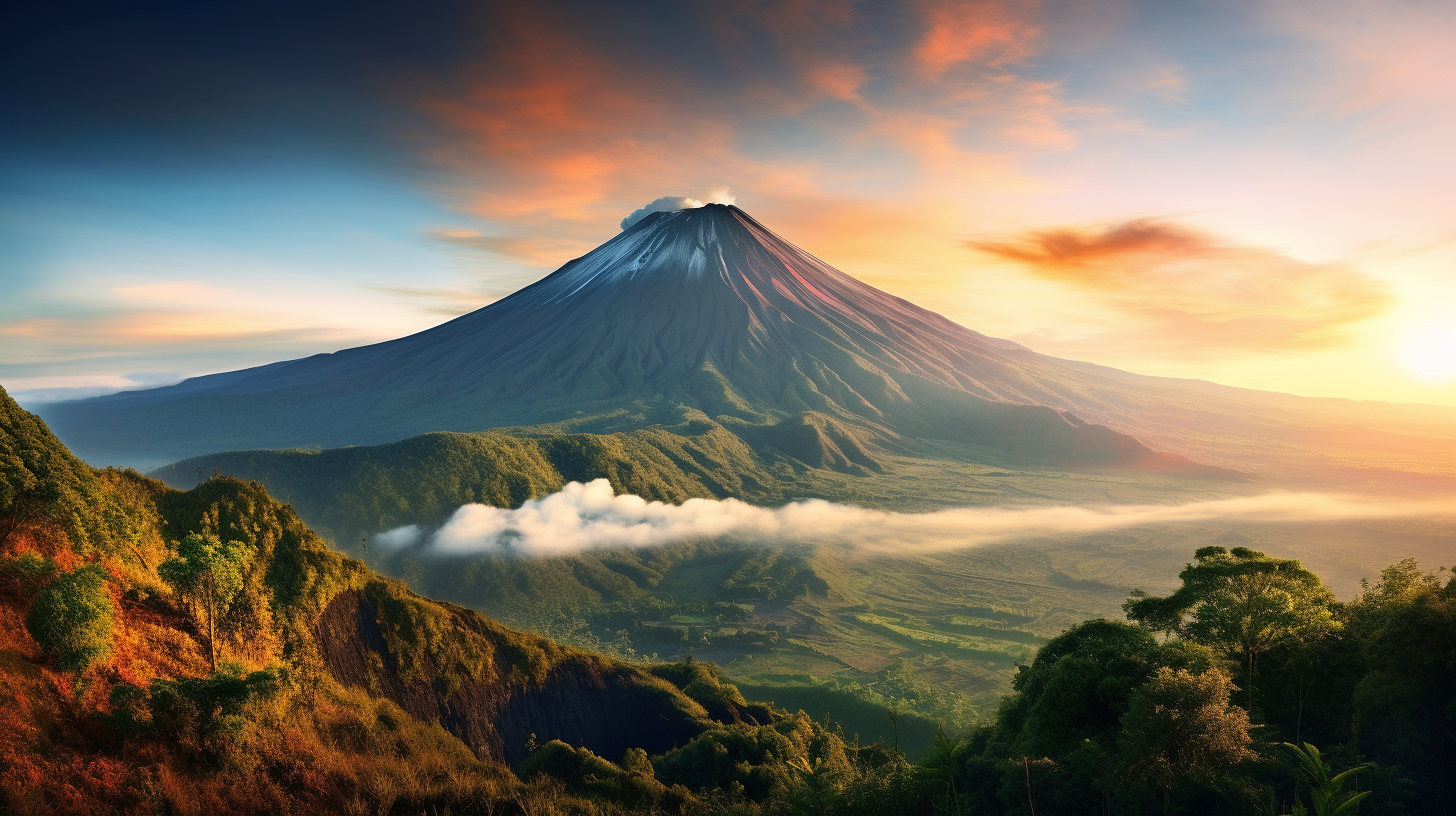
x=1350 y=805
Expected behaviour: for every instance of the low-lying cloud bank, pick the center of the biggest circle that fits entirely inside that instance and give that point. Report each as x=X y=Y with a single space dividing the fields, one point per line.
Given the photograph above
x=589 y=516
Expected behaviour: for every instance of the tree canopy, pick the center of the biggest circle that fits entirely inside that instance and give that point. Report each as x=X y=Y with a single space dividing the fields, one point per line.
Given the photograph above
x=1079 y=686
x=211 y=573
x=72 y=617
x=1240 y=602
x=1180 y=723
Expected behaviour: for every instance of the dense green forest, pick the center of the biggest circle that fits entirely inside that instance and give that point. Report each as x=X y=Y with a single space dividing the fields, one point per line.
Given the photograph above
x=203 y=651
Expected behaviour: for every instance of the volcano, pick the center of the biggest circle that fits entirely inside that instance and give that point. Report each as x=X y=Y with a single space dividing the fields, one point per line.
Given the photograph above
x=695 y=313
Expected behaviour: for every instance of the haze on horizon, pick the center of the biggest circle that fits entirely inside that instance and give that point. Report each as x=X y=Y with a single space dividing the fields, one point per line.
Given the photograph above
x=1258 y=194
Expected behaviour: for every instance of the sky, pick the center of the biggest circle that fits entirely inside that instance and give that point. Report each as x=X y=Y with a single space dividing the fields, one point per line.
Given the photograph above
x=1261 y=194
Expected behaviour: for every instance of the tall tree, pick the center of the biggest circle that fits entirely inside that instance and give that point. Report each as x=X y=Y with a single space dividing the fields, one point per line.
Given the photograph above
x=1241 y=602
x=1405 y=702
x=210 y=572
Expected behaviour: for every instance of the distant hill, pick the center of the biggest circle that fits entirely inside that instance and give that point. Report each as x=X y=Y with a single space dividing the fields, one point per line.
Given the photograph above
x=346 y=493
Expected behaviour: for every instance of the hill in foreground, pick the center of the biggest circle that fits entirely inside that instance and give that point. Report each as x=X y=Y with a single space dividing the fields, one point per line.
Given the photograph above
x=338 y=691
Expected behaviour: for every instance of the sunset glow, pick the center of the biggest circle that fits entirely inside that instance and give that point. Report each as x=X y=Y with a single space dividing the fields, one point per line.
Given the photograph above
x=1256 y=194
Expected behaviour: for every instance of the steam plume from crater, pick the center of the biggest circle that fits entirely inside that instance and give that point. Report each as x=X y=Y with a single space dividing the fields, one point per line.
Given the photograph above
x=717 y=195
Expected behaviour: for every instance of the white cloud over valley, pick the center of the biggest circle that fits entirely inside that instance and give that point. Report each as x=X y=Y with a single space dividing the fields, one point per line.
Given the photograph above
x=589 y=516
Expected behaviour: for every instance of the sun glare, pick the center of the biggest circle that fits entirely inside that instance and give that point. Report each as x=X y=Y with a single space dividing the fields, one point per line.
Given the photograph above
x=1430 y=353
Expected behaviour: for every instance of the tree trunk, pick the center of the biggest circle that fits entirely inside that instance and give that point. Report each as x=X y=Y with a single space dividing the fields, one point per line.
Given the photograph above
x=1299 y=713
x=1030 y=802
x=1250 y=653
x=211 y=628
x=24 y=508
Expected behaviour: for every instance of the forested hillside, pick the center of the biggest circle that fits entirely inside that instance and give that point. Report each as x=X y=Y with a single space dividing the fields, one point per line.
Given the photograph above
x=348 y=493
x=204 y=652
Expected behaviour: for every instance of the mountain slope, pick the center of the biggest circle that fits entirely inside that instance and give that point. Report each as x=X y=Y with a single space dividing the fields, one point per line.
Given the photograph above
x=700 y=309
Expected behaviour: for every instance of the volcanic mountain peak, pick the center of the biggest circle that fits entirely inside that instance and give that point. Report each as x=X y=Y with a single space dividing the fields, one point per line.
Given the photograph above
x=675 y=295
x=717 y=253
x=690 y=313
x=676 y=244
x=715 y=268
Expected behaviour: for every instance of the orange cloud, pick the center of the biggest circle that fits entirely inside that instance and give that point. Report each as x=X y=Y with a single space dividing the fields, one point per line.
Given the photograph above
x=1182 y=291
x=991 y=34
x=558 y=128
x=174 y=340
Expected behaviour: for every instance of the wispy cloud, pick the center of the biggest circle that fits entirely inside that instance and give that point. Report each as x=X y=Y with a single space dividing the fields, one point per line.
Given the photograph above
x=1169 y=83
x=182 y=292
x=1390 y=61
x=589 y=516
x=1192 y=292
x=448 y=302
x=186 y=341
x=37 y=390
x=990 y=34
x=533 y=248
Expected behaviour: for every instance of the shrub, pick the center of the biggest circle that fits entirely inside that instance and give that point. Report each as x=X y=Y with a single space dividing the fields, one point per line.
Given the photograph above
x=30 y=569
x=72 y=618
x=207 y=712
x=1180 y=723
